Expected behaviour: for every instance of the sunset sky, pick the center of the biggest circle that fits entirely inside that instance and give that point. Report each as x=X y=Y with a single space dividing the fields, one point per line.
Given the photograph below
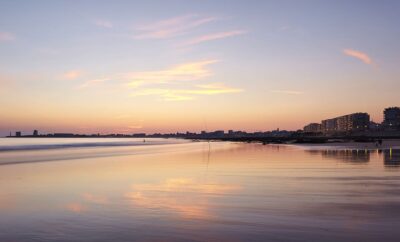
x=167 y=66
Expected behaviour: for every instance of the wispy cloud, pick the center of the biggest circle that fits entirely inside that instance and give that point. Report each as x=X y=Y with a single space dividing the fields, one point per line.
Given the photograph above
x=359 y=55
x=167 y=83
x=171 y=27
x=289 y=92
x=189 y=71
x=184 y=72
x=187 y=94
x=72 y=75
x=6 y=36
x=214 y=36
x=214 y=88
x=92 y=82
x=103 y=23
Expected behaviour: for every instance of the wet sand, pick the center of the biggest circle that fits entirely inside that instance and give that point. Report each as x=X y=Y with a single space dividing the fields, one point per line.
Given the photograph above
x=199 y=191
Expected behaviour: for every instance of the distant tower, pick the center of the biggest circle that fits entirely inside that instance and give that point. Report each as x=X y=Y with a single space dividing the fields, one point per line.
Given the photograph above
x=18 y=134
x=35 y=133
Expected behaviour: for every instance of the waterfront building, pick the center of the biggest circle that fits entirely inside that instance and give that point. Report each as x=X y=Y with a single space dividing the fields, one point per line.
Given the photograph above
x=63 y=135
x=391 y=117
x=218 y=133
x=312 y=128
x=139 y=135
x=329 y=125
x=347 y=123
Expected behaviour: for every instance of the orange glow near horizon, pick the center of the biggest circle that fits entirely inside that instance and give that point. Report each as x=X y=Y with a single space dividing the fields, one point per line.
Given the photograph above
x=188 y=71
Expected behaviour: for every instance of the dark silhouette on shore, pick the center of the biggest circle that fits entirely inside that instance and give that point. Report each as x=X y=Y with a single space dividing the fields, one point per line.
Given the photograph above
x=352 y=127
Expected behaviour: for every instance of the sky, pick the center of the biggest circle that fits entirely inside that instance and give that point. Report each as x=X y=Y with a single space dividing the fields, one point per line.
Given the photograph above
x=177 y=65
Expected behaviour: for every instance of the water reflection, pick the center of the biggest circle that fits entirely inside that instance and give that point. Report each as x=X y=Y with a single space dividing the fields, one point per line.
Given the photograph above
x=7 y=202
x=355 y=156
x=85 y=203
x=392 y=158
x=75 y=207
x=186 y=197
x=202 y=192
x=96 y=199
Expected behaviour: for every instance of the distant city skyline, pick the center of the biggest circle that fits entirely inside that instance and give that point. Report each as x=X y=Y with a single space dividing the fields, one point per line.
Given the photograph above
x=151 y=66
x=344 y=124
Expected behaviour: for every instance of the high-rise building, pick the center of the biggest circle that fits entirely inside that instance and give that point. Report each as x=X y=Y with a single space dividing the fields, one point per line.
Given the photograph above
x=329 y=125
x=391 y=117
x=18 y=133
x=312 y=128
x=346 y=123
x=35 y=133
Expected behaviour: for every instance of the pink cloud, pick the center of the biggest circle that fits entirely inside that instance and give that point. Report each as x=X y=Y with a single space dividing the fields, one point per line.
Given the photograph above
x=289 y=92
x=93 y=82
x=359 y=55
x=72 y=75
x=5 y=36
x=171 y=27
x=214 y=36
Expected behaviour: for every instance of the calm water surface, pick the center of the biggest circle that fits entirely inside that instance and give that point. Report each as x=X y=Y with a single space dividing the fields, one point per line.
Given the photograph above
x=174 y=190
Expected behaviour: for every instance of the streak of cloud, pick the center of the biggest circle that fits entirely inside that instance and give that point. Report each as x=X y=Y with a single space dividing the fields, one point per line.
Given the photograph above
x=171 y=27
x=187 y=94
x=359 y=55
x=189 y=71
x=92 y=83
x=184 y=72
x=214 y=36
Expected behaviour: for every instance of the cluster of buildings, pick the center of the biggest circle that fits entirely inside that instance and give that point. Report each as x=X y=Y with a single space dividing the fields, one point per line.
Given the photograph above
x=356 y=122
x=218 y=134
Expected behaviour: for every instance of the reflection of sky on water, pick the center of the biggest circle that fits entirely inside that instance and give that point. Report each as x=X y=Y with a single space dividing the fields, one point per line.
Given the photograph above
x=184 y=196
x=392 y=158
x=204 y=192
x=355 y=156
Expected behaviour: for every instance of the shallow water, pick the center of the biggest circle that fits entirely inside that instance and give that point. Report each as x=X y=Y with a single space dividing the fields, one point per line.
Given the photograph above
x=174 y=190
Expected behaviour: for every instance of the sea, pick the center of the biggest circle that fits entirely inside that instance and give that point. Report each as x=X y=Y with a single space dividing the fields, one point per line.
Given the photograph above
x=126 y=189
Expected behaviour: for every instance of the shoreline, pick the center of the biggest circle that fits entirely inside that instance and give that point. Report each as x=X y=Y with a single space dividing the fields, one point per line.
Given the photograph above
x=332 y=143
x=386 y=145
